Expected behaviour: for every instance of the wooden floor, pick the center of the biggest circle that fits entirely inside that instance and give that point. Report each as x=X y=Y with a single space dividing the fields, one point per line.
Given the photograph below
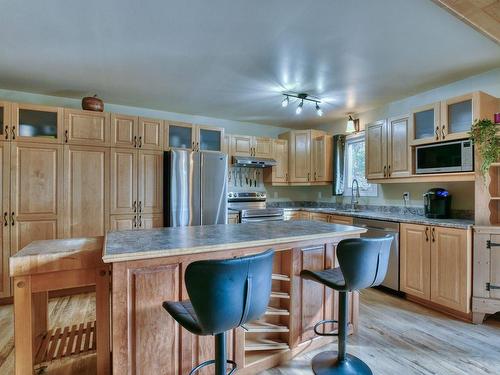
x=395 y=337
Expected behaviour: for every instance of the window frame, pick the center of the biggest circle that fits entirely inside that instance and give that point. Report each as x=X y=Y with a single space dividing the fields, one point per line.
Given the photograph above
x=372 y=190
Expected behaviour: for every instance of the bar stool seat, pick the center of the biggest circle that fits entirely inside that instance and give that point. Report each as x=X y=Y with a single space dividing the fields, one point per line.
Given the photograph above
x=332 y=278
x=223 y=294
x=183 y=313
x=363 y=264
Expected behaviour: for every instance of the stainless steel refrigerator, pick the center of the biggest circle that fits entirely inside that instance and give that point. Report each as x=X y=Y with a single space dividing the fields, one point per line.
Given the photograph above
x=195 y=188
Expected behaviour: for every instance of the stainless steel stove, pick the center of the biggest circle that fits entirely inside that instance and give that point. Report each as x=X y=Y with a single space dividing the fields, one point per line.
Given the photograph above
x=252 y=207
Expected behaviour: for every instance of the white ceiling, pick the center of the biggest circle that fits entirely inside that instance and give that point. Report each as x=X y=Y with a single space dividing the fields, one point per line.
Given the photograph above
x=232 y=58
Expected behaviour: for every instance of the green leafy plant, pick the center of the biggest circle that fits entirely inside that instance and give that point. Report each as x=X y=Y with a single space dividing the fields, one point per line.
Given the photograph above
x=483 y=135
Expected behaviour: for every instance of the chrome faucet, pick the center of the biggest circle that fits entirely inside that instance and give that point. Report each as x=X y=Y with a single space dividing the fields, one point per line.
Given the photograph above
x=354 y=196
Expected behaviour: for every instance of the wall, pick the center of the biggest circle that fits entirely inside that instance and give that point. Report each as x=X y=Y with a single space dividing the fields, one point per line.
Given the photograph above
x=235 y=127
x=463 y=192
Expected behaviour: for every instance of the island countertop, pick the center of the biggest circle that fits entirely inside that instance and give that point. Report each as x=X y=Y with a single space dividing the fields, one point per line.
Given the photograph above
x=161 y=242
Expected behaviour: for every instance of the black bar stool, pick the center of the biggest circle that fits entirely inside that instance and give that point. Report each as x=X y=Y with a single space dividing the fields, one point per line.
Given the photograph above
x=223 y=294
x=363 y=264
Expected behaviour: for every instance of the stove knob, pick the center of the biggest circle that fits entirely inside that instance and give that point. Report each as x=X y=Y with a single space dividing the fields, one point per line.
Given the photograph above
x=230 y=195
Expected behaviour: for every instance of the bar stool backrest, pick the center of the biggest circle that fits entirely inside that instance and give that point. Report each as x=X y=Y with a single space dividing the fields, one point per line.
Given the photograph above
x=227 y=293
x=364 y=261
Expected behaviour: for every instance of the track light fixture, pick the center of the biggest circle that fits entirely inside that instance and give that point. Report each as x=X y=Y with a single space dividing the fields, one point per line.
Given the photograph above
x=301 y=96
x=298 y=111
x=319 y=112
x=285 y=102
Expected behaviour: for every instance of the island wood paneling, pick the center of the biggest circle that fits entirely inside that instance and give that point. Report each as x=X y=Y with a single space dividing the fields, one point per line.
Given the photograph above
x=146 y=339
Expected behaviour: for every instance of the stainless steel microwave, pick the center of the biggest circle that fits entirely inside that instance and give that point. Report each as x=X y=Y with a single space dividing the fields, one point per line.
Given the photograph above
x=445 y=157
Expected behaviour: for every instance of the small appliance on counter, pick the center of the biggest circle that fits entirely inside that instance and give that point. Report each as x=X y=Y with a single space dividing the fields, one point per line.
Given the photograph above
x=437 y=203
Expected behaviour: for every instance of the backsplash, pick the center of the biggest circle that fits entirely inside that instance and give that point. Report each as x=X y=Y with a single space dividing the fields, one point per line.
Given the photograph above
x=245 y=179
x=398 y=210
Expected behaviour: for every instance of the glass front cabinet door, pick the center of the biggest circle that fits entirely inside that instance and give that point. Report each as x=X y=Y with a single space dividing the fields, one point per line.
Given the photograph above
x=425 y=124
x=209 y=138
x=179 y=135
x=457 y=116
x=36 y=123
x=5 y=118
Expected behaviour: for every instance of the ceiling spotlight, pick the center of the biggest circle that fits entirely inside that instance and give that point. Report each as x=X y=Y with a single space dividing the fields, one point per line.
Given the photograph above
x=319 y=112
x=298 y=111
x=285 y=102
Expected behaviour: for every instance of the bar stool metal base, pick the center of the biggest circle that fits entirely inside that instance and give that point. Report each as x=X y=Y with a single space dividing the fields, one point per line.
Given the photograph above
x=327 y=363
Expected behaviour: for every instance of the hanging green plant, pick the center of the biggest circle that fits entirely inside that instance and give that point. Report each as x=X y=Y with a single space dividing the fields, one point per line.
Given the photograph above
x=483 y=135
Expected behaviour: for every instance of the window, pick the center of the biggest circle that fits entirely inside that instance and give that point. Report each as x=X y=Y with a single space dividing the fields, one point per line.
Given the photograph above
x=355 y=167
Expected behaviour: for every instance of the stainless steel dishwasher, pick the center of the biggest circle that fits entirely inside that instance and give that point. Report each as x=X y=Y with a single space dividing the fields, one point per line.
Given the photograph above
x=380 y=228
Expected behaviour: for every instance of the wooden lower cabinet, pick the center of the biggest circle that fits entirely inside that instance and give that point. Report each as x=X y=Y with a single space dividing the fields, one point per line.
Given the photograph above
x=5 y=232
x=451 y=268
x=415 y=261
x=338 y=219
x=435 y=265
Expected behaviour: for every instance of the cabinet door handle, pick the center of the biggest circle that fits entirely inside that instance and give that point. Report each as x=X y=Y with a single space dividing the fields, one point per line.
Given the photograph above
x=192 y=146
x=433 y=234
x=389 y=170
x=385 y=171
x=140 y=206
x=5 y=220
x=134 y=222
x=315 y=177
x=437 y=132
x=6 y=132
x=443 y=134
x=65 y=136
x=140 y=141
x=426 y=234
x=13 y=132
x=140 y=222
x=197 y=146
x=134 y=206
x=135 y=141
x=12 y=222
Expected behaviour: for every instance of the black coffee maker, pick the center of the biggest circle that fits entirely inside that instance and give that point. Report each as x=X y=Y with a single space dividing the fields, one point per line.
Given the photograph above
x=437 y=203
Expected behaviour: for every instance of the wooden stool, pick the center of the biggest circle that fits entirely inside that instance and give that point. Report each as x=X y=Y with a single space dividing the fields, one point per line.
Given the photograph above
x=44 y=266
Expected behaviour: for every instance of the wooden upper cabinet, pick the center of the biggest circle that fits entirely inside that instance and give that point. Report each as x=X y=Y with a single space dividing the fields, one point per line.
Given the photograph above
x=241 y=145
x=415 y=260
x=300 y=156
x=5 y=231
x=376 y=150
x=279 y=173
x=150 y=134
x=398 y=148
x=124 y=130
x=5 y=121
x=179 y=135
x=87 y=127
x=451 y=252
x=36 y=193
x=150 y=180
x=322 y=158
x=209 y=138
x=123 y=181
x=36 y=123
x=86 y=188
x=425 y=124
x=263 y=147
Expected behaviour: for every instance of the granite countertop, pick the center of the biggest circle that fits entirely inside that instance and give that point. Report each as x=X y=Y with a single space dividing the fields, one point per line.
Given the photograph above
x=389 y=216
x=161 y=242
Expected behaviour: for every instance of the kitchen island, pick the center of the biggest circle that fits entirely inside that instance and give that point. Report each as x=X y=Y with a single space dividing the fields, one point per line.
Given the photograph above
x=148 y=268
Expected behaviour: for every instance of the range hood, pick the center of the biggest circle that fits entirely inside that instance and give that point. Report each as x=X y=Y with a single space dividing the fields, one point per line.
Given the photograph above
x=253 y=162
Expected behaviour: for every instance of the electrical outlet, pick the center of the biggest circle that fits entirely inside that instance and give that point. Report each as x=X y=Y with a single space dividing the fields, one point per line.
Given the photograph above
x=406 y=196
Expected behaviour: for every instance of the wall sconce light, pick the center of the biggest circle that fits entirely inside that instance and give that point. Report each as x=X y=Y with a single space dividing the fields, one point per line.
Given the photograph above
x=352 y=125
